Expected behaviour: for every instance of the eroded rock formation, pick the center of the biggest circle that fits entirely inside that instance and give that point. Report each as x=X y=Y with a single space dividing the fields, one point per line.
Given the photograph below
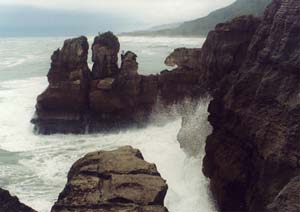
x=105 y=56
x=184 y=58
x=251 y=67
x=10 y=203
x=78 y=100
x=224 y=50
x=62 y=106
x=118 y=180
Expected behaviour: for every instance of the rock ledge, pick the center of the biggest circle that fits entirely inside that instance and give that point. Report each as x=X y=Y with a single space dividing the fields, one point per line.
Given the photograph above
x=118 y=180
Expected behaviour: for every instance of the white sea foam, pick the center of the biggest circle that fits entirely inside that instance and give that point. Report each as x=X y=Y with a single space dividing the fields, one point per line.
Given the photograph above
x=43 y=161
x=34 y=167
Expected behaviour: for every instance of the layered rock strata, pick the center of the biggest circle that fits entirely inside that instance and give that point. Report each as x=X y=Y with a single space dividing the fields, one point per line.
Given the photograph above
x=118 y=180
x=182 y=82
x=63 y=104
x=105 y=56
x=78 y=100
x=251 y=67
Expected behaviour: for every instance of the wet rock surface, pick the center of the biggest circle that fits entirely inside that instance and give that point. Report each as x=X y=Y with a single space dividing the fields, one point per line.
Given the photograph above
x=118 y=180
x=10 y=203
x=251 y=68
x=107 y=98
x=63 y=103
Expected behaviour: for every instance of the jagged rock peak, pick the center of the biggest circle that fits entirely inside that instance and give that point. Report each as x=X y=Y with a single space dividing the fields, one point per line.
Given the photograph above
x=129 y=65
x=71 y=58
x=116 y=181
x=105 y=49
x=109 y=40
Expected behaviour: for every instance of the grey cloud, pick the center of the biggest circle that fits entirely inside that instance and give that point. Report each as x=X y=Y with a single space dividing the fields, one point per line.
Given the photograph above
x=149 y=11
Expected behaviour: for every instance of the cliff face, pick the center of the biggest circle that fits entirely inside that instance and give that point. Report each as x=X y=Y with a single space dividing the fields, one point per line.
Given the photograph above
x=225 y=49
x=252 y=69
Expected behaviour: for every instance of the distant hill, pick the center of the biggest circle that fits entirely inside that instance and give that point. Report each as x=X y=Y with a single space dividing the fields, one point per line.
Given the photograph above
x=201 y=26
x=164 y=26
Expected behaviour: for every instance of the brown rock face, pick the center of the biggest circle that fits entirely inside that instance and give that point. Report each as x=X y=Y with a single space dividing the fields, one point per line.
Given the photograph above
x=105 y=48
x=108 y=98
x=9 y=203
x=288 y=198
x=129 y=64
x=178 y=85
x=184 y=58
x=66 y=98
x=181 y=83
x=253 y=67
x=225 y=49
x=121 y=101
x=118 y=180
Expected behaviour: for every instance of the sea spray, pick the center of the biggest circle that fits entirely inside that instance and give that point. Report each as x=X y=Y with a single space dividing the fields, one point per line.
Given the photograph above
x=35 y=167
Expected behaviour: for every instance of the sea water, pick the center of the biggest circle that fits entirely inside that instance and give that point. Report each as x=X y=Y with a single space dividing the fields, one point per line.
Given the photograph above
x=34 y=167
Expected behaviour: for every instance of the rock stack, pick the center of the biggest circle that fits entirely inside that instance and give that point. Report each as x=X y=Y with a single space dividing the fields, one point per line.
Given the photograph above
x=118 y=180
x=105 y=56
x=78 y=100
x=63 y=104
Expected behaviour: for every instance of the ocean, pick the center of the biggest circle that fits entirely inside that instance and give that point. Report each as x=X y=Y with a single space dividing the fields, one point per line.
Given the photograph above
x=34 y=167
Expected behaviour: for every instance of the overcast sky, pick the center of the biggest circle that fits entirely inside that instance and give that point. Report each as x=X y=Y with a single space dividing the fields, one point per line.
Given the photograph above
x=150 y=12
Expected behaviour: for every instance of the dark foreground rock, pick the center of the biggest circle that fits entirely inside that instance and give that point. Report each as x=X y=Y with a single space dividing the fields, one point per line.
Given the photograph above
x=288 y=198
x=118 y=180
x=107 y=98
x=251 y=67
x=10 y=203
